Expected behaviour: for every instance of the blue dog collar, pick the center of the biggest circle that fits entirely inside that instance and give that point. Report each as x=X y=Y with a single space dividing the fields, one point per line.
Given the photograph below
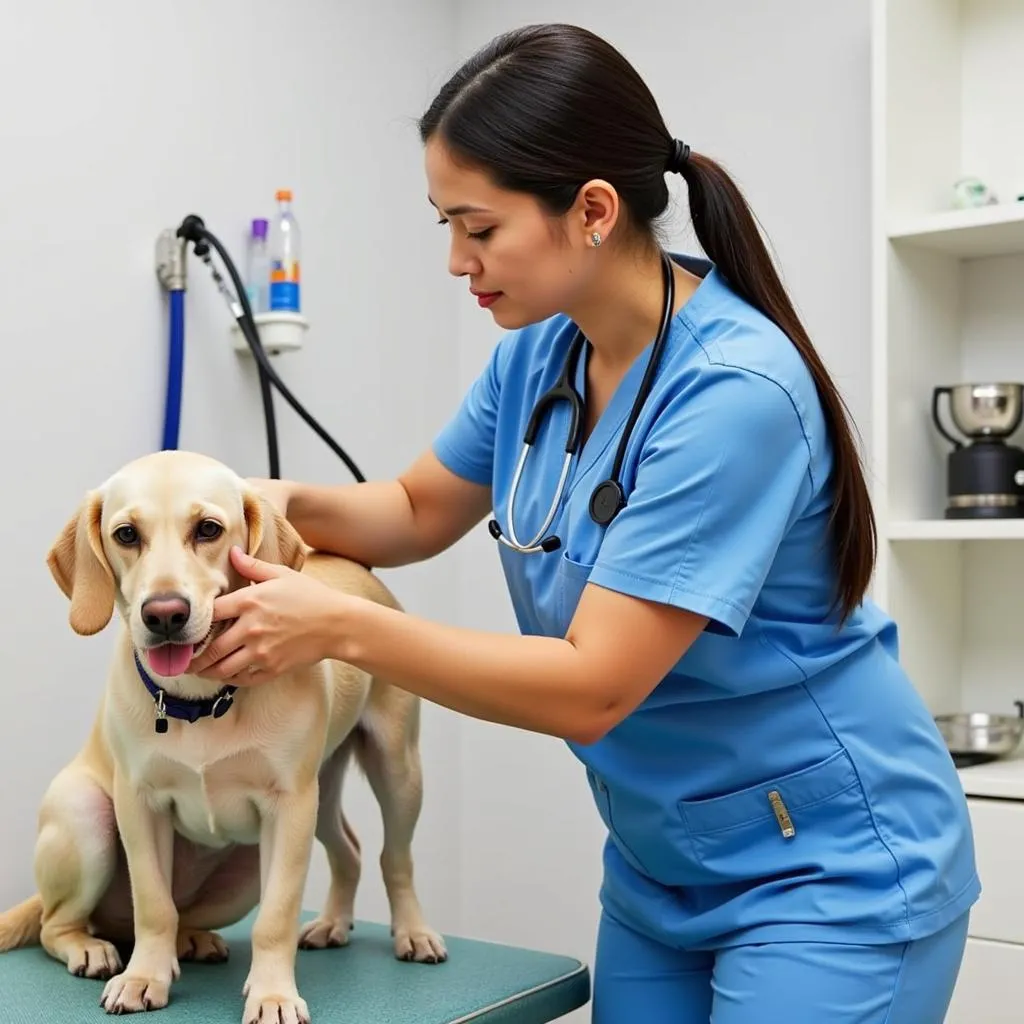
x=180 y=707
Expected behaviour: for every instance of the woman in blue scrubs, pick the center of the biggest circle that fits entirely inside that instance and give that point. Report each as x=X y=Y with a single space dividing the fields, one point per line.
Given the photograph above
x=787 y=837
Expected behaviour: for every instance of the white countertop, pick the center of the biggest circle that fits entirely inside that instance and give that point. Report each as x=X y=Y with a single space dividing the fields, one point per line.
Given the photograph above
x=1003 y=778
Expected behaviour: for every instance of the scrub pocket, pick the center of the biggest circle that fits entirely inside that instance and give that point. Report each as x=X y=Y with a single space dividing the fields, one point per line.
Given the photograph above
x=572 y=578
x=810 y=823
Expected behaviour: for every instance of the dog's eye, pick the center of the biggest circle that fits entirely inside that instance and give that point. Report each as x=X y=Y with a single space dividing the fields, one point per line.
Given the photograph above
x=126 y=535
x=209 y=529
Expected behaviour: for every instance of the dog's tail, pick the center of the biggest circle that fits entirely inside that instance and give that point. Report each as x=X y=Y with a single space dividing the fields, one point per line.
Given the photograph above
x=21 y=925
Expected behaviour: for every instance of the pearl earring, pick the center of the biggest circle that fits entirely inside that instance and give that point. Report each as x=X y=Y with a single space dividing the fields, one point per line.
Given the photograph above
x=596 y=238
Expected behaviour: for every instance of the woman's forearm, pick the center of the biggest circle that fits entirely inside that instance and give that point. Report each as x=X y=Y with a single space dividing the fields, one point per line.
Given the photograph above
x=372 y=523
x=530 y=682
x=393 y=522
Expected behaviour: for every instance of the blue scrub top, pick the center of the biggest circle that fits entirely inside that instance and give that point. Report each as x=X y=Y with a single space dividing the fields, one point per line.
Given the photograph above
x=773 y=717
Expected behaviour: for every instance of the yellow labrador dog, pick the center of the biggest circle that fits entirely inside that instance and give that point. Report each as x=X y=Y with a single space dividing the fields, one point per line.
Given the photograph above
x=216 y=794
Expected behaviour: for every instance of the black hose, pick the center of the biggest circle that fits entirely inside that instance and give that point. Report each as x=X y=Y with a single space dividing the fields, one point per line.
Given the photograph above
x=193 y=229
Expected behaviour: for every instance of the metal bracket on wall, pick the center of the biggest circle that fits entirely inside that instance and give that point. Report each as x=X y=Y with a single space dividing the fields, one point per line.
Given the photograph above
x=171 y=261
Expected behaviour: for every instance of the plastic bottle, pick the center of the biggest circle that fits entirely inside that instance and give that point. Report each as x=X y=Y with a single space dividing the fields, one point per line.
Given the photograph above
x=285 y=245
x=257 y=268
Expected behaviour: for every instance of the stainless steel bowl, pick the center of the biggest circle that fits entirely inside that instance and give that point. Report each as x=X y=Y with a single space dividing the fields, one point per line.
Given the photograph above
x=987 y=410
x=981 y=733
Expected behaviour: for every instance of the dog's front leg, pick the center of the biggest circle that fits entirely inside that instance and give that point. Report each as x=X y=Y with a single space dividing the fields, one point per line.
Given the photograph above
x=148 y=838
x=286 y=842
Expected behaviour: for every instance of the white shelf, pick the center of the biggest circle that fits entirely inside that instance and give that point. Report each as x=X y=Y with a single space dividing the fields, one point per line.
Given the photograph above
x=948 y=308
x=968 y=234
x=279 y=331
x=956 y=529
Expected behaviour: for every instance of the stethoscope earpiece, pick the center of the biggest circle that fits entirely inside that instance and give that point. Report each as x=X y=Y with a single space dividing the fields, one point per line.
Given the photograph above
x=608 y=497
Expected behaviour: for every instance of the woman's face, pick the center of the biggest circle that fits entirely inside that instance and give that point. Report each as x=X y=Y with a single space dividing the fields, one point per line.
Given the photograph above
x=521 y=264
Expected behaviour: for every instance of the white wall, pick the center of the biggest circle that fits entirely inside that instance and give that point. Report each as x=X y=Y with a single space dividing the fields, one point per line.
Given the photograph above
x=779 y=93
x=120 y=123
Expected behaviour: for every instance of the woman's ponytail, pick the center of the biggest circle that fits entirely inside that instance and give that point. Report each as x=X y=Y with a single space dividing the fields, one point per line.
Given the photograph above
x=728 y=234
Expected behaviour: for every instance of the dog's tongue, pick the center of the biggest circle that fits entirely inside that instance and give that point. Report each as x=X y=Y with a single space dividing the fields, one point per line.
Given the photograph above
x=170 y=659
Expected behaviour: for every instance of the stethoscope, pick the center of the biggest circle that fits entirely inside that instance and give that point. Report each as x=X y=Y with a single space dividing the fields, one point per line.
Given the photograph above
x=608 y=497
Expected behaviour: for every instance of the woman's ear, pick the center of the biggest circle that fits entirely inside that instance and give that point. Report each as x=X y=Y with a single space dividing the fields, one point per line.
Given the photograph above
x=597 y=211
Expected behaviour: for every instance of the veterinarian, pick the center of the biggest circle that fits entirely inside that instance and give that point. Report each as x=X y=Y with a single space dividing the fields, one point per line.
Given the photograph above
x=787 y=837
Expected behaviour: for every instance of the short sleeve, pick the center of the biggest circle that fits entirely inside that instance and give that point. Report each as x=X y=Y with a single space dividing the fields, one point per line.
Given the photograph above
x=720 y=478
x=465 y=444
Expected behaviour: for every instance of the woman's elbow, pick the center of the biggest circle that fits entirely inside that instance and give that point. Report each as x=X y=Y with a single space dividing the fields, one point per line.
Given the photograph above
x=585 y=735
x=594 y=724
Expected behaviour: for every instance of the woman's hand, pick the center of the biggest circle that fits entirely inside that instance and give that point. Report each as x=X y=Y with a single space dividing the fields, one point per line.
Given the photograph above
x=286 y=621
x=277 y=492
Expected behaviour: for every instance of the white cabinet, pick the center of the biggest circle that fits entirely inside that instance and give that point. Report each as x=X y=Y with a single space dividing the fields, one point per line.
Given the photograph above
x=989 y=979
x=987 y=987
x=948 y=308
x=998 y=915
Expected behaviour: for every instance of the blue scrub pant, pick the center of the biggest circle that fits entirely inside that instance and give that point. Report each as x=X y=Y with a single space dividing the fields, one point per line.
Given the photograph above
x=637 y=979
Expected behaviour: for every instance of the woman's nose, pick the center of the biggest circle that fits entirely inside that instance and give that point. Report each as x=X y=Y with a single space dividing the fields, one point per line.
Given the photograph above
x=461 y=262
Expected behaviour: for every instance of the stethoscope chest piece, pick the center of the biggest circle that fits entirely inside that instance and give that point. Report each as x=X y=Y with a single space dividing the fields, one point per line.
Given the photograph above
x=606 y=501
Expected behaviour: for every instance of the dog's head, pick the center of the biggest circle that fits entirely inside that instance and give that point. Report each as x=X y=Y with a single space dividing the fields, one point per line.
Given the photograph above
x=154 y=539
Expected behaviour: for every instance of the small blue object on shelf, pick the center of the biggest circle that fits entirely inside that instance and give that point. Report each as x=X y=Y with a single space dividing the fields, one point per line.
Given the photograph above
x=482 y=982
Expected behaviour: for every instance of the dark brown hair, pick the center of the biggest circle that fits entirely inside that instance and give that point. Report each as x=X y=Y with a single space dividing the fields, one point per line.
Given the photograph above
x=545 y=108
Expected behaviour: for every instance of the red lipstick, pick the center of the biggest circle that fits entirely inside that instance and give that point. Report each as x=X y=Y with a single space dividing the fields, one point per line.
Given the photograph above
x=485 y=299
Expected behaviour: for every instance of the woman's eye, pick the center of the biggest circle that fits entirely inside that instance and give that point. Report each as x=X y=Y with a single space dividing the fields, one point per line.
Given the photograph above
x=478 y=235
x=209 y=529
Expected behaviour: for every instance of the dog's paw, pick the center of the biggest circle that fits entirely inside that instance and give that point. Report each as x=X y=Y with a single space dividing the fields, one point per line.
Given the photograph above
x=125 y=993
x=325 y=932
x=94 y=958
x=419 y=943
x=198 y=946
x=262 y=1007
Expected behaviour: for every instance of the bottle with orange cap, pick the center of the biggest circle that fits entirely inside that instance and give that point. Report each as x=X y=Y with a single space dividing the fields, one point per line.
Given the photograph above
x=285 y=247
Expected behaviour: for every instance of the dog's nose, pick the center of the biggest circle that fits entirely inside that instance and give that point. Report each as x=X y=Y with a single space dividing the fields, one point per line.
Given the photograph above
x=165 y=614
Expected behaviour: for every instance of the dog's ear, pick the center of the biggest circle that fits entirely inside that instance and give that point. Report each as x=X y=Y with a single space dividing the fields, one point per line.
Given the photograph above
x=271 y=537
x=79 y=565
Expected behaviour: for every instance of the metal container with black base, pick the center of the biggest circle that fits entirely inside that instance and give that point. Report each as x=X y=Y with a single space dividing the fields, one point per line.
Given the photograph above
x=985 y=478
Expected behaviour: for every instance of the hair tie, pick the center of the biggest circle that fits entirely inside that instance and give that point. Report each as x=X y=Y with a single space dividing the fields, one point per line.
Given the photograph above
x=678 y=157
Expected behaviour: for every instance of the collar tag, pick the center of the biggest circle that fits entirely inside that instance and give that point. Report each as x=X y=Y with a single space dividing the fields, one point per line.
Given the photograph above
x=161 y=713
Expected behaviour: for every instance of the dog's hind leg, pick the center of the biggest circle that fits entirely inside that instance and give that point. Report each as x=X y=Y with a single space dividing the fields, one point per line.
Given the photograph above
x=388 y=750
x=75 y=861
x=340 y=844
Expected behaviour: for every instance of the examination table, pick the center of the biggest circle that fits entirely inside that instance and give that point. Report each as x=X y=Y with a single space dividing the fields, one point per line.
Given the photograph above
x=362 y=983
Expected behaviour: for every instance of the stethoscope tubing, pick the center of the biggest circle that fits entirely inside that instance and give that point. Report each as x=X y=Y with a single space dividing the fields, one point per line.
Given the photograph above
x=607 y=498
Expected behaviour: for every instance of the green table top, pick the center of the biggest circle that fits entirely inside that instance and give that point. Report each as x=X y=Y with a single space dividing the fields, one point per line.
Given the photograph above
x=361 y=983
